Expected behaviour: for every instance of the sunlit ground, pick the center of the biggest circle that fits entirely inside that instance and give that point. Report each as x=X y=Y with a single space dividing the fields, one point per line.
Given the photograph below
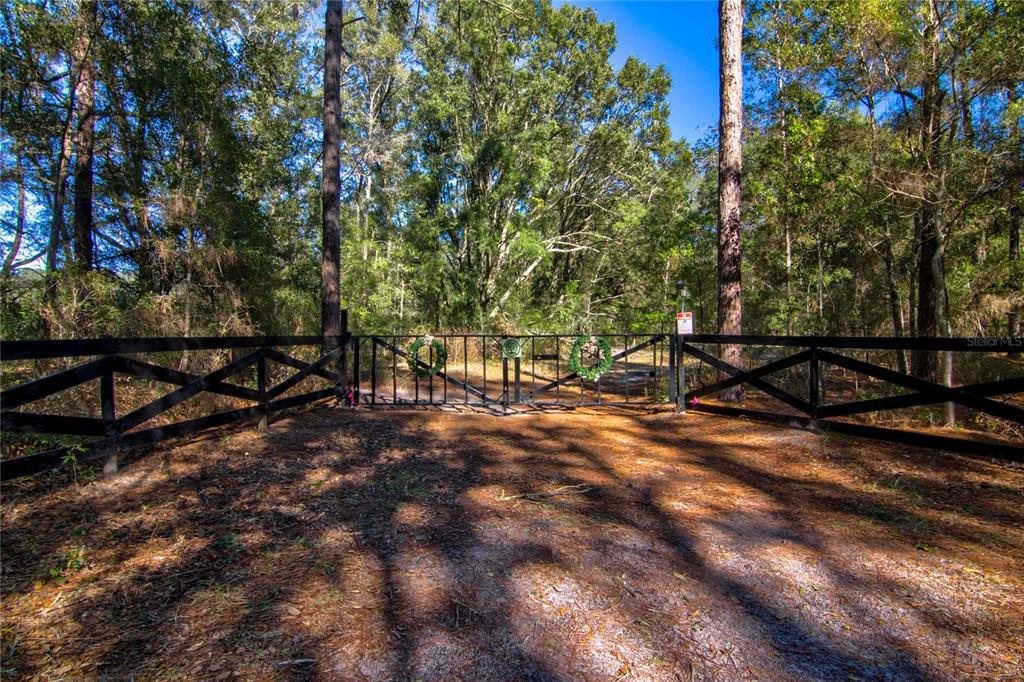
x=345 y=545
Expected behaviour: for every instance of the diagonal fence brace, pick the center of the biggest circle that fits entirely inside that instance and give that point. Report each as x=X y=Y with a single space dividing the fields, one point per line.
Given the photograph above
x=935 y=393
x=745 y=378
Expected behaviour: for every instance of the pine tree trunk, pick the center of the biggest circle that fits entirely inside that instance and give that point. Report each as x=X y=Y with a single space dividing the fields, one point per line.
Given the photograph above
x=1013 y=317
x=821 y=285
x=789 y=280
x=730 y=166
x=85 y=113
x=330 y=186
x=1015 y=218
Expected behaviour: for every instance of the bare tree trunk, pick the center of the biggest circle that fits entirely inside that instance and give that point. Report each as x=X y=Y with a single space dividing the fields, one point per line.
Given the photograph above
x=966 y=117
x=930 y=303
x=927 y=292
x=912 y=285
x=19 y=230
x=57 y=215
x=931 y=309
x=60 y=187
x=730 y=167
x=1015 y=219
x=183 y=364
x=789 y=280
x=942 y=323
x=330 y=186
x=1013 y=317
x=85 y=113
x=933 y=215
x=787 y=232
x=894 y=304
x=821 y=285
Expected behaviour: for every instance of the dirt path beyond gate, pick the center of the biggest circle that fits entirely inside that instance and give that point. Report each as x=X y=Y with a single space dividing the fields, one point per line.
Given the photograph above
x=416 y=545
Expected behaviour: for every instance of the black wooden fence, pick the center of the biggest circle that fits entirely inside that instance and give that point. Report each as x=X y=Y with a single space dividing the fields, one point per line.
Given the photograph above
x=818 y=351
x=116 y=432
x=654 y=379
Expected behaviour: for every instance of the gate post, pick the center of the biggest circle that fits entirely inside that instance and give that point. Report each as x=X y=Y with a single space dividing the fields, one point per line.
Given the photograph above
x=504 y=384
x=813 y=383
x=261 y=387
x=517 y=393
x=672 y=374
x=681 y=376
x=373 y=370
x=355 y=371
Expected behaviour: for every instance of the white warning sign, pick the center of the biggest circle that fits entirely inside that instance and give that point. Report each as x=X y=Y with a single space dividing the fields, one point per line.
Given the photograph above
x=684 y=323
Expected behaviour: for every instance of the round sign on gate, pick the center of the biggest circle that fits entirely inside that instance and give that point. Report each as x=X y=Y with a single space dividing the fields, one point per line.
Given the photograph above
x=511 y=348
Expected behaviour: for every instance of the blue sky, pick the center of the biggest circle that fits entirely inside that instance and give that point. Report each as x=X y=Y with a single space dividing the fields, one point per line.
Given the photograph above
x=681 y=35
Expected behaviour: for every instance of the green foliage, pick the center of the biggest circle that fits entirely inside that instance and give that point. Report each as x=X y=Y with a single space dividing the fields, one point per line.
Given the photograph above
x=500 y=173
x=228 y=543
x=842 y=188
x=74 y=450
x=71 y=561
x=20 y=306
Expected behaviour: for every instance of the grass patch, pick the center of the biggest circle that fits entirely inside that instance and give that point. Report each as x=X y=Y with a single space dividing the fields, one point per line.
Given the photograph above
x=71 y=561
x=228 y=542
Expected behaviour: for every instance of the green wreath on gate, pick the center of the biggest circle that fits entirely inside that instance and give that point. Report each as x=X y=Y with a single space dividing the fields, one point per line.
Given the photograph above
x=592 y=345
x=440 y=355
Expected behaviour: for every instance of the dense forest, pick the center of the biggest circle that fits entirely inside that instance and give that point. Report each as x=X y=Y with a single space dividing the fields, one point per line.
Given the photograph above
x=162 y=168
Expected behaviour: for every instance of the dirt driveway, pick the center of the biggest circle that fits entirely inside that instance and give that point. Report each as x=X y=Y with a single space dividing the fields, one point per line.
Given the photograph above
x=415 y=545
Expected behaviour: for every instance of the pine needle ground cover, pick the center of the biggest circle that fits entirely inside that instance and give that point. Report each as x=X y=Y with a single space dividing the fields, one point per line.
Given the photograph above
x=346 y=545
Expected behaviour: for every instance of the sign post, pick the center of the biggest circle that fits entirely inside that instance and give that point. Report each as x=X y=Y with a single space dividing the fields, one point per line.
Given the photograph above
x=684 y=325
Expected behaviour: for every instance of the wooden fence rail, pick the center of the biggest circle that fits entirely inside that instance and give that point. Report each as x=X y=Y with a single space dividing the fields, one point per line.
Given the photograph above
x=117 y=433
x=113 y=432
x=819 y=350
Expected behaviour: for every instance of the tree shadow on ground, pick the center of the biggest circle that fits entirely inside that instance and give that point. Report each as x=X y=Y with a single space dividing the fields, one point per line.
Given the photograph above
x=421 y=545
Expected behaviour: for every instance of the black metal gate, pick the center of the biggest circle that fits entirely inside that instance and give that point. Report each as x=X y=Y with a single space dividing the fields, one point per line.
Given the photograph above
x=478 y=371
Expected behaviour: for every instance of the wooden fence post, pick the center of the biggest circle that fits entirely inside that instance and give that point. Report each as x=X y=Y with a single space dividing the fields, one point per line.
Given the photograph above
x=373 y=370
x=110 y=464
x=261 y=386
x=813 y=383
